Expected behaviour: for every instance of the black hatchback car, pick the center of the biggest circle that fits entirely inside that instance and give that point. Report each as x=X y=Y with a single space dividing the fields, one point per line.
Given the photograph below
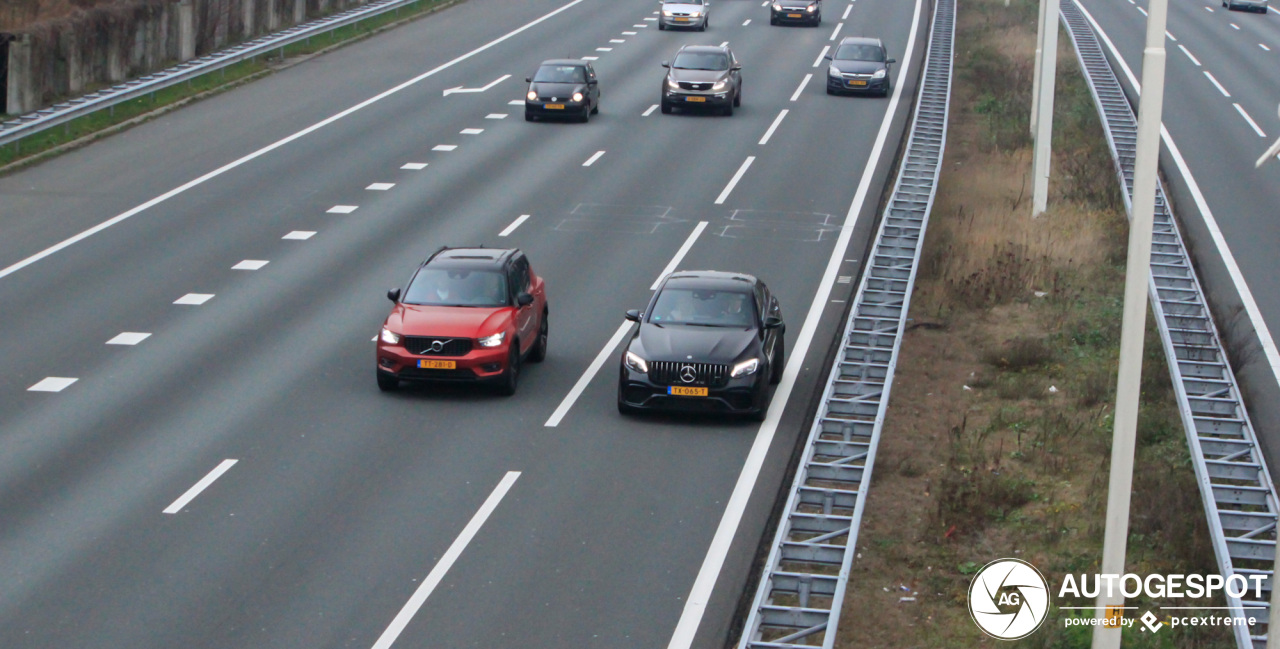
x=795 y=12
x=709 y=341
x=563 y=88
x=859 y=65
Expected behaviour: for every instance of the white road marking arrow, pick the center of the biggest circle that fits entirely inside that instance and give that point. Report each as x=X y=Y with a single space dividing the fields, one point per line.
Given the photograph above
x=459 y=89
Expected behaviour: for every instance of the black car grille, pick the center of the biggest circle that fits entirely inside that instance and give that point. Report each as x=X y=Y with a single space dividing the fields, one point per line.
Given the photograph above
x=687 y=85
x=427 y=346
x=673 y=373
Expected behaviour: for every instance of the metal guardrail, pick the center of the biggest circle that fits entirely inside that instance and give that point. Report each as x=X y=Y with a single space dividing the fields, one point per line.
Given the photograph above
x=1239 y=496
x=22 y=126
x=801 y=592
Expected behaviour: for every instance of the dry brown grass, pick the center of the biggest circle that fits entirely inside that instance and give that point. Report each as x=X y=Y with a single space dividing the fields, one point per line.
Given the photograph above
x=18 y=15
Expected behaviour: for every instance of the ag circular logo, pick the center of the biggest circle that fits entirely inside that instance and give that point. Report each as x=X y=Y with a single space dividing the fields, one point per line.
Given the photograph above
x=1008 y=599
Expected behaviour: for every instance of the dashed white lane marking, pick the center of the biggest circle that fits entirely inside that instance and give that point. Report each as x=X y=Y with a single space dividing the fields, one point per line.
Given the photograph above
x=471 y=131
x=680 y=254
x=1142 y=11
x=251 y=264
x=380 y=187
x=641 y=26
x=1217 y=85
x=592 y=160
x=441 y=568
x=617 y=40
x=765 y=3
x=835 y=31
x=52 y=384
x=129 y=338
x=649 y=111
x=1235 y=27
x=496 y=116
x=773 y=127
x=1209 y=9
x=846 y=12
x=299 y=235
x=796 y=95
x=1170 y=36
x=604 y=49
x=650 y=18
x=342 y=209
x=516 y=102
x=725 y=44
x=746 y=22
x=414 y=166
x=1188 y=53
x=590 y=58
x=1264 y=47
x=628 y=33
x=1252 y=123
x=194 y=299
x=444 y=147
x=514 y=224
x=733 y=182
x=822 y=55
x=198 y=487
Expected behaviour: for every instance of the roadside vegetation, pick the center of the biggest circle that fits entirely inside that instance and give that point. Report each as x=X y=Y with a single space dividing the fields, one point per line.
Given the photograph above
x=998 y=434
x=105 y=122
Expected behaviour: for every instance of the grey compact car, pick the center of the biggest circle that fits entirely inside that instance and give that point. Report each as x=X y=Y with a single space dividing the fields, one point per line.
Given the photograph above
x=702 y=76
x=859 y=65
x=691 y=14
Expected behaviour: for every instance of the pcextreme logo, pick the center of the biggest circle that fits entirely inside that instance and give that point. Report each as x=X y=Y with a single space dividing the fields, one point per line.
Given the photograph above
x=1009 y=599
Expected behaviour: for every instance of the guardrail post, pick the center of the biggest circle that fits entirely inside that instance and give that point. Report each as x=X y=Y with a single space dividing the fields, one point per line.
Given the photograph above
x=186 y=31
x=20 y=96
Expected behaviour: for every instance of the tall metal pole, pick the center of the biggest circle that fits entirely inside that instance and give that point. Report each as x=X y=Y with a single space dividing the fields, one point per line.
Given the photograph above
x=1048 y=69
x=1035 y=79
x=1137 y=274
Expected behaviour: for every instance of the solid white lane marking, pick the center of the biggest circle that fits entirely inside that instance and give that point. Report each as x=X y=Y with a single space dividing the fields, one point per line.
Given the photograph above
x=250 y=264
x=604 y=49
x=471 y=131
x=773 y=127
x=491 y=84
x=846 y=12
x=299 y=235
x=446 y=562
x=1264 y=47
x=592 y=160
x=1235 y=27
x=605 y=354
x=516 y=102
x=1217 y=85
x=277 y=144
x=380 y=187
x=649 y=111
x=1252 y=123
x=342 y=209
x=679 y=256
x=821 y=56
x=194 y=299
x=129 y=338
x=695 y=604
x=198 y=487
x=590 y=58
x=496 y=116
x=835 y=31
x=733 y=182
x=52 y=384
x=796 y=95
x=1188 y=53
x=1265 y=340
x=1170 y=36
x=514 y=224
x=1142 y=11
x=414 y=166
x=444 y=147
x=617 y=40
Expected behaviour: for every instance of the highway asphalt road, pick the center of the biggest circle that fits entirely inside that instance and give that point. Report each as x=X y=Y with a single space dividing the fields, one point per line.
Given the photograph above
x=1221 y=95
x=229 y=475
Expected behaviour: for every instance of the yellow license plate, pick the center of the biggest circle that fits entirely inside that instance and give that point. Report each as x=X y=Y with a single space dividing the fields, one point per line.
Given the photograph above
x=682 y=20
x=436 y=365
x=793 y=15
x=554 y=106
x=857 y=83
x=695 y=98
x=681 y=391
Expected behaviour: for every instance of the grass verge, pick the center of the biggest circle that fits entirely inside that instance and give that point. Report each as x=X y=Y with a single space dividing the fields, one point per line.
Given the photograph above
x=998 y=436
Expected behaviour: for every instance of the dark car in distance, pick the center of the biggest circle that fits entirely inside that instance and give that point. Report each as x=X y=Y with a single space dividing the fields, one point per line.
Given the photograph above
x=709 y=341
x=702 y=76
x=795 y=12
x=562 y=88
x=859 y=65
x=467 y=314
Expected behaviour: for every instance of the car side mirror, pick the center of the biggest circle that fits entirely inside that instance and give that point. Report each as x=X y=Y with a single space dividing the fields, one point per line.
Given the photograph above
x=772 y=322
x=736 y=67
x=634 y=315
x=592 y=82
x=827 y=57
x=892 y=61
x=666 y=64
x=394 y=295
x=524 y=299
x=528 y=79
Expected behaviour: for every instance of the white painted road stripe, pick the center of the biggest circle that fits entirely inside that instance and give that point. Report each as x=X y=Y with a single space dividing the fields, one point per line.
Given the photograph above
x=496 y=116
x=733 y=182
x=514 y=224
x=446 y=562
x=1143 y=11
x=414 y=166
x=471 y=131
x=846 y=12
x=52 y=384
x=1188 y=53
x=299 y=235
x=1170 y=36
x=585 y=379
x=679 y=257
x=822 y=55
x=1216 y=84
x=1264 y=47
x=277 y=144
x=195 y=490
x=516 y=102
x=592 y=160
x=695 y=604
x=630 y=33
x=604 y=49
x=444 y=147
x=650 y=110
x=342 y=209
x=796 y=95
x=1250 y=120
x=129 y=338
x=250 y=264
x=835 y=31
x=746 y=22
x=617 y=40
x=1235 y=27
x=773 y=127
x=380 y=187
x=194 y=299
x=590 y=58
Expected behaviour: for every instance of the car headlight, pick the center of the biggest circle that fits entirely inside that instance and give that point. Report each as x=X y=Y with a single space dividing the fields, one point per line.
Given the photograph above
x=672 y=84
x=777 y=7
x=719 y=85
x=666 y=12
x=879 y=74
x=745 y=368
x=636 y=363
x=695 y=14
x=532 y=96
x=577 y=96
x=492 y=341
x=390 y=337
x=833 y=72
x=811 y=8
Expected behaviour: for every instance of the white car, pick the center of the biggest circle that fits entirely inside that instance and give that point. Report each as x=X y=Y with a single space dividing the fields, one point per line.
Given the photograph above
x=685 y=13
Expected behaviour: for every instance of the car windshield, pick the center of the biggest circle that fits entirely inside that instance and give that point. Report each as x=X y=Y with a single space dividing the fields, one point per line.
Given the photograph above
x=854 y=52
x=703 y=307
x=561 y=74
x=457 y=287
x=701 y=61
